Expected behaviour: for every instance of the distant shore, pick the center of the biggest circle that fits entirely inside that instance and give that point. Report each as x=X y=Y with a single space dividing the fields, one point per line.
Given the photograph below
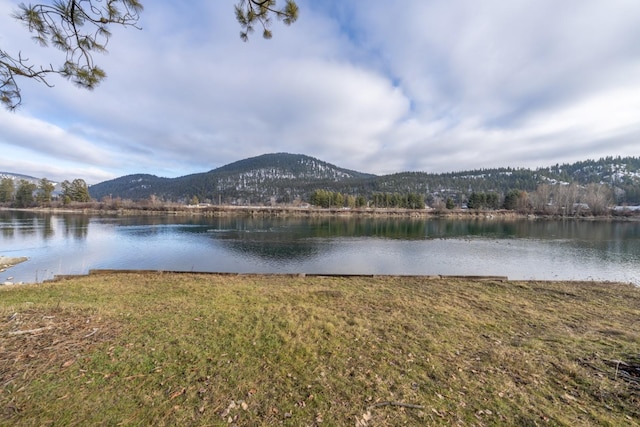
x=294 y=211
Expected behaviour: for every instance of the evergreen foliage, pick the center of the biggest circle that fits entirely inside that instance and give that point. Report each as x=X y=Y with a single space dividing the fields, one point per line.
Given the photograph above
x=398 y=200
x=450 y=204
x=24 y=194
x=76 y=191
x=7 y=190
x=79 y=28
x=286 y=178
x=484 y=201
x=45 y=190
x=511 y=199
x=250 y=12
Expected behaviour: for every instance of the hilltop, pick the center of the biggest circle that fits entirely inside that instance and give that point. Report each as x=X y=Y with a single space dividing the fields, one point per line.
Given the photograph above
x=284 y=178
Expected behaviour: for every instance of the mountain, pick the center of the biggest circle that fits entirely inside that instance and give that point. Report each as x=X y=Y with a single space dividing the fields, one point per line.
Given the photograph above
x=288 y=166
x=134 y=187
x=17 y=177
x=281 y=176
x=284 y=177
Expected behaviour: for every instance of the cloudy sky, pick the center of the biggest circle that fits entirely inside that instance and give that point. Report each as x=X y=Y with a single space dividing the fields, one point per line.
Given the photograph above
x=375 y=86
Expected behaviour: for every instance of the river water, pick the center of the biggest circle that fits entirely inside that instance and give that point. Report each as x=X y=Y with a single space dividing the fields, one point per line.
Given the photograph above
x=523 y=249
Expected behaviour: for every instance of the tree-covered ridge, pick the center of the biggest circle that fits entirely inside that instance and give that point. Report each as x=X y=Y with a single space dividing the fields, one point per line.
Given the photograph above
x=284 y=178
x=134 y=187
x=293 y=166
x=254 y=180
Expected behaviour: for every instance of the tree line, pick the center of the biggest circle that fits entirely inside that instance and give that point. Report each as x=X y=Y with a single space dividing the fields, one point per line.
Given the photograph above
x=328 y=199
x=25 y=194
x=556 y=199
x=550 y=199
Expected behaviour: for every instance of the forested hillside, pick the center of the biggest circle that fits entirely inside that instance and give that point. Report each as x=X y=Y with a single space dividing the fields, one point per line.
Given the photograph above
x=287 y=178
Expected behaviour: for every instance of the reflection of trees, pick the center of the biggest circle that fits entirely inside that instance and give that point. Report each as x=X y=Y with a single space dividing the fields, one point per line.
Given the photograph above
x=267 y=238
x=326 y=227
x=273 y=249
x=452 y=228
x=8 y=232
x=76 y=226
x=26 y=224
x=7 y=225
x=299 y=238
x=47 y=226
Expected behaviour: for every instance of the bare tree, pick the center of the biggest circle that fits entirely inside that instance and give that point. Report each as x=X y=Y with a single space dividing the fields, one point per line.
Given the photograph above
x=541 y=199
x=599 y=197
x=565 y=197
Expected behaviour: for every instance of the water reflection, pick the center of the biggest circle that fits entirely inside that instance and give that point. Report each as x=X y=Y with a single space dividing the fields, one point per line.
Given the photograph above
x=69 y=244
x=76 y=226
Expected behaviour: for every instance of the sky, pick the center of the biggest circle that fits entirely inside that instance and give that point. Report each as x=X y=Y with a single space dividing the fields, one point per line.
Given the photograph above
x=373 y=86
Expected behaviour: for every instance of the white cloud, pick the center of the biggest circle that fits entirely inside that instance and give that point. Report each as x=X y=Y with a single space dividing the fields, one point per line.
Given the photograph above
x=48 y=139
x=371 y=86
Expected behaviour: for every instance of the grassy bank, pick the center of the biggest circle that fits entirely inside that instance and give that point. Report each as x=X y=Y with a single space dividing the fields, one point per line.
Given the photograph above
x=182 y=349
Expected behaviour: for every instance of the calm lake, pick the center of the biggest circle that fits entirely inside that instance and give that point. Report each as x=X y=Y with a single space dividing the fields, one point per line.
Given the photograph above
x=524 y=249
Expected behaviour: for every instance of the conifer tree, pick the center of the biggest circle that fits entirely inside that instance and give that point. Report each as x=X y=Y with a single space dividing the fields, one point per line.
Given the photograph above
x=45 y=190
x=24 y=193
x=7 y=189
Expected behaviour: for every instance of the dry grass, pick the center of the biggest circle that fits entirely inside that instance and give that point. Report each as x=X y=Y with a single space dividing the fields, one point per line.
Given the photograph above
x=189 y=349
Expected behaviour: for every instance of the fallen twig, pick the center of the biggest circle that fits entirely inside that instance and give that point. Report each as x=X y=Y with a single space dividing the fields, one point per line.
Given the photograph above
x=91 y=333
x=29 y=331
x=391 y=403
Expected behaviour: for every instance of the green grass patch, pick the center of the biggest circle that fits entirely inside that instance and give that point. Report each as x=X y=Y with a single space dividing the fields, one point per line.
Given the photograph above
x=190 y=349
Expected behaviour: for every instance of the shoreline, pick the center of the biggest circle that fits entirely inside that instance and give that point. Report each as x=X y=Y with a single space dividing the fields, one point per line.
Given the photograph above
x=310 y=212
x=8 y=262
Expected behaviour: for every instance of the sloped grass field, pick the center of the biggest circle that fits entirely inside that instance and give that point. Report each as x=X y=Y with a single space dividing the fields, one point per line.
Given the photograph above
x=207 y=350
